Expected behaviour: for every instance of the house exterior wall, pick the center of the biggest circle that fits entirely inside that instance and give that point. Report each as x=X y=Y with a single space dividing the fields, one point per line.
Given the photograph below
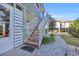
x=67 y=25
x=15 y=37
x=7 y=43
x=61 y=26
x=57 y=25
x=31 y=7
x=29 y=12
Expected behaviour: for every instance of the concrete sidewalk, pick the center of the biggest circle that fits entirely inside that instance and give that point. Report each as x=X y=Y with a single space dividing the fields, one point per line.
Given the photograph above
x=58 y=48
x=18 y=52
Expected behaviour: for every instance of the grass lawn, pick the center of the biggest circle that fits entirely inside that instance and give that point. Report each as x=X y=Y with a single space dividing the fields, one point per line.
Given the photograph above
x=70 y=39
x=48 y=39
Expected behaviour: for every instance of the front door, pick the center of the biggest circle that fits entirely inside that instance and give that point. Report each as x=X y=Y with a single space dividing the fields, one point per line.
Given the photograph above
x=6 y=28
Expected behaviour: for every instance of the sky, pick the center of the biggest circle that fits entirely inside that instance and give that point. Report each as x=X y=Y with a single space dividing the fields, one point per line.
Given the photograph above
x=67 y=11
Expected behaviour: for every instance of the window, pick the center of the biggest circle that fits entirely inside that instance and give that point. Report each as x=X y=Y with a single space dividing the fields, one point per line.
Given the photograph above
x=4 y=21
x=1 y=29
x=62 y=24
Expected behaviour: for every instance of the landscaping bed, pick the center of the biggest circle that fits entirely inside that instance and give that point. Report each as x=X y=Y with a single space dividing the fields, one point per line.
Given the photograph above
x=70 y=39
x=48 y=39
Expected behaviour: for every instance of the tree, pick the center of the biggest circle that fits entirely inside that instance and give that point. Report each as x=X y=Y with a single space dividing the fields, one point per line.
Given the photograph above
x=51 y=24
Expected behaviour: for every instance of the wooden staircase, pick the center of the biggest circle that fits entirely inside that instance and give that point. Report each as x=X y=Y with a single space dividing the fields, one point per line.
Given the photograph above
x=33 y=39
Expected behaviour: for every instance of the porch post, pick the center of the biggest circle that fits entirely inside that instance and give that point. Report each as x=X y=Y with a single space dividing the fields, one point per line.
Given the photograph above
x=59 y=30
x=59 y=27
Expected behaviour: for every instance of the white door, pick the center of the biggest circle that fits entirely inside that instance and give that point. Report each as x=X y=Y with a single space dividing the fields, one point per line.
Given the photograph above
x=6 y=28
x=18 y=26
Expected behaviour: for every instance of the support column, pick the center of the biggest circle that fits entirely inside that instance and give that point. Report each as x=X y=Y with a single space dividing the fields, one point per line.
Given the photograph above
x=59 y=31
x=3 y=28
x=65 y=29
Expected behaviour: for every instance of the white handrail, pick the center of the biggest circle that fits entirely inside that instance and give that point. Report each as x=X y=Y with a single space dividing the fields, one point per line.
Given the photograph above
x=41 y=28
x=30 y=26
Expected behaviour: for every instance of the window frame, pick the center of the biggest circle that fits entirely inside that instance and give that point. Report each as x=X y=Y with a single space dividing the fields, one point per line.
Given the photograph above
x=5 y=29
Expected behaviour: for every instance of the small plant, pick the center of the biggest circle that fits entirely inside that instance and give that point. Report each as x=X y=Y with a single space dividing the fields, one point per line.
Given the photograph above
x=45 y=40
x=48 y=39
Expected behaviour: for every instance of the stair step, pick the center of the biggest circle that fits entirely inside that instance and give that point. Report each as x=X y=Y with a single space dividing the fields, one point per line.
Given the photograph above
x=31 y=42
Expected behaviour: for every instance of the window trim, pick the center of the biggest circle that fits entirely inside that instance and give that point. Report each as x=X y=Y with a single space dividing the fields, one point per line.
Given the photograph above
x=5 y=23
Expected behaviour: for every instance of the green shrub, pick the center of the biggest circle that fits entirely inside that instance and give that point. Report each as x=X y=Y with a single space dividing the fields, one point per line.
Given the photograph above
x=45 y=40
x=48 y=39
x=52 y=37
x=71 y=40
x=74 y=28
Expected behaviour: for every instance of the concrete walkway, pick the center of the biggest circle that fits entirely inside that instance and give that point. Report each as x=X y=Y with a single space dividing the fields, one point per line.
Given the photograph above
x=18 y=52
x=58 y=48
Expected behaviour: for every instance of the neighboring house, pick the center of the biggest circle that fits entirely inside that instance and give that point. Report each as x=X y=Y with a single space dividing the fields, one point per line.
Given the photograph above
x=21 y=23
x=61 y=26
